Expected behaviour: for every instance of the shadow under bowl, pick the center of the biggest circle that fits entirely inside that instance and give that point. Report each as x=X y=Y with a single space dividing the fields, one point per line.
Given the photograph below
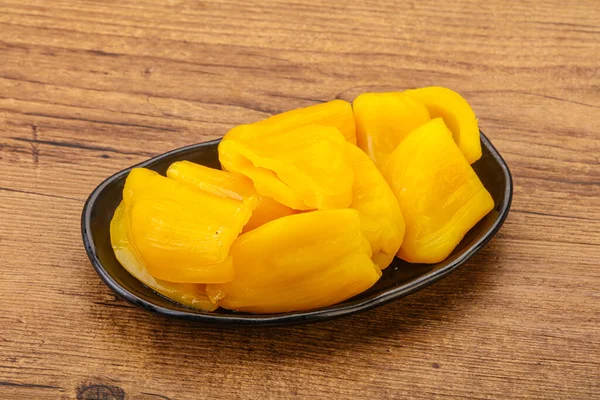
x=399 y=279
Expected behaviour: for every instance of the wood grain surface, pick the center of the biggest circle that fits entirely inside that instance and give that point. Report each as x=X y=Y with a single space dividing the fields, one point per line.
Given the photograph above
x=90 y=87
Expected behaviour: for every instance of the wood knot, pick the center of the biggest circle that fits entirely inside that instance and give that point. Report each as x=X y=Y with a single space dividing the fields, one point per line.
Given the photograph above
x=100 y=392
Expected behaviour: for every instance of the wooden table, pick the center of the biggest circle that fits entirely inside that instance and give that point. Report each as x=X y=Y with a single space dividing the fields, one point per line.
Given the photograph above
x=90 y=87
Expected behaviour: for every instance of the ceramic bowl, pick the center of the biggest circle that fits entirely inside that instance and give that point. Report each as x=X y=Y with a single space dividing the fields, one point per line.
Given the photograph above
x=398 y=280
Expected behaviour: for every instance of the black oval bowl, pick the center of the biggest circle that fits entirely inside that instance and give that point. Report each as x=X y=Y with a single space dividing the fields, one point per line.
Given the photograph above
x=398 y=280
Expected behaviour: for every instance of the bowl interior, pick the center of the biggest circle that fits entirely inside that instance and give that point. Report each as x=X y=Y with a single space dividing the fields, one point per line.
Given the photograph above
x=399 y=279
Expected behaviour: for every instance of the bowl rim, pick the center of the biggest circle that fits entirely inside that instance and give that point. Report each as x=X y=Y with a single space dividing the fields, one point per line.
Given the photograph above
x=321 y=314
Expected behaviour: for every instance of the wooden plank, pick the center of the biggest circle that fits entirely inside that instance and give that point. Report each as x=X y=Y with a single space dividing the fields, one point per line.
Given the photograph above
x=88 y=88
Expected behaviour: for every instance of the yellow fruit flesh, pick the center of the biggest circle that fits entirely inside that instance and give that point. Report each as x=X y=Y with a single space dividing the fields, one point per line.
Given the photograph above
x=439 y=194
x=214 y=181
x=228 y=185
x=299 y=262
x=383 y=120
x=182 y=234
x=189 y=294
x=380 y=216
x=336 y=113
x=266 y=211
x=456 y=113
x=305 y=168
